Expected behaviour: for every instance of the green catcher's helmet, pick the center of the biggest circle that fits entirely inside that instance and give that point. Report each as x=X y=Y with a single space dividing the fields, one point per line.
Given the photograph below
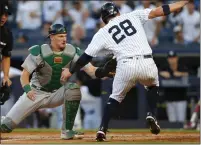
x=57 y=29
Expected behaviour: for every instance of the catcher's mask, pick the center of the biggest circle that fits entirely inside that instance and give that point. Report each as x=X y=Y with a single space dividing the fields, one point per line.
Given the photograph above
x=108 y=10
x=57 y=29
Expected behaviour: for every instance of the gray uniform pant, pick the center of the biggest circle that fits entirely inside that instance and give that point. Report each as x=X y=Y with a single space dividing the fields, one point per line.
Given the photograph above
x=24 y=106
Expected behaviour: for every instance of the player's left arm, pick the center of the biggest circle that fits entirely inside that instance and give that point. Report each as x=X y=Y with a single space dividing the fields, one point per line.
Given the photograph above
x=90 y=70
x=92 y=50
x=167 y=9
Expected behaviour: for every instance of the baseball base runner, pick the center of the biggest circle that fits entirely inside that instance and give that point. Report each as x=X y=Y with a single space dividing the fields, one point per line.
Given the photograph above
x=125 y=37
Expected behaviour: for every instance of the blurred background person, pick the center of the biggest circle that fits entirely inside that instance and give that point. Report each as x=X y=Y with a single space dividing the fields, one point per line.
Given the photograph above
x=122 y=6
x=194 y=120
x=189 y=18
x=52 y=14
x=178 y=35
x=29 y=14
x=21 y=38
x=78 y=36
x=80 y=15
x=152 y=27
x=176 y=97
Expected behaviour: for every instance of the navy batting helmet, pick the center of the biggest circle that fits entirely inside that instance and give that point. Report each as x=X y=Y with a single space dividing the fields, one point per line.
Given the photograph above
x=57 y=29
x=108 y=10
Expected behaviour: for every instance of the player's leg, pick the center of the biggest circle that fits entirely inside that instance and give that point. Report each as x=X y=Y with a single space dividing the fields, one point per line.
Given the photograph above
x=123 y=82
x=181 y=110
x=195 y=115
x=171 y=111
x=149 y=78
x=70 y=98
x=21 y=109
x=194 y=120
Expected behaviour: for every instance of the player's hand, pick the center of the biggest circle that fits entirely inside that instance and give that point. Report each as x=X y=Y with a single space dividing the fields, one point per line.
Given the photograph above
x=6 y=80
x=31 y=95
x=65 y=75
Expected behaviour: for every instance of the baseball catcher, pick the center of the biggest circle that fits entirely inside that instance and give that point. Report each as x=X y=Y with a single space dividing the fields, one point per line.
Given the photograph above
x=47 y=89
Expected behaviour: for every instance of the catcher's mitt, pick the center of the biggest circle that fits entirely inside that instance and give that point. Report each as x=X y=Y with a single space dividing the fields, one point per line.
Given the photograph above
x=108 y=70
x=4 y=93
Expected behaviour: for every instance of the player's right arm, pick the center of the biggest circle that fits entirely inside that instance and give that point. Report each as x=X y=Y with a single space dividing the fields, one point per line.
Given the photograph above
x=167 y=9
x=29 y=66
x=24 y=79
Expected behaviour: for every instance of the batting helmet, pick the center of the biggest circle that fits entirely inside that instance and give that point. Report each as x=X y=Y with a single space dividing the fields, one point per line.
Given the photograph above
x=57 y=29
x=108 y=10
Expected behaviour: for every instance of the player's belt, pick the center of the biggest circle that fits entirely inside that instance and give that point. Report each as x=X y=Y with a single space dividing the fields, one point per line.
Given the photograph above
x=43 y=89
x=145 y=56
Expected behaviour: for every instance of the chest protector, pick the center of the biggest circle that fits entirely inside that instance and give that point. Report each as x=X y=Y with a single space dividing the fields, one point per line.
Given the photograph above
x=50 y=69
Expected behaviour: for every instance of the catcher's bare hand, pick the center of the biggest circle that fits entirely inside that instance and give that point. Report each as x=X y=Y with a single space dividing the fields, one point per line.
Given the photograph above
x=31 y=95
x=65 y=75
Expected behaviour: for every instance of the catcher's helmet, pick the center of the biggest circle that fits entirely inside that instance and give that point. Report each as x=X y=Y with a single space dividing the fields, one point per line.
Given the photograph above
x=108 y=10
x=57 y=29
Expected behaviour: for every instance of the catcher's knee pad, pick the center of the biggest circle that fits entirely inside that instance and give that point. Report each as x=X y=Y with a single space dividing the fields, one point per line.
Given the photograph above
x=73 y=95
x=6 y=125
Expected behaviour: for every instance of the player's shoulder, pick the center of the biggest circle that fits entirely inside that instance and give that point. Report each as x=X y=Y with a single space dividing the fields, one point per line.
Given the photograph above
x=100 y=32
x=35 y=50
x=71 y=46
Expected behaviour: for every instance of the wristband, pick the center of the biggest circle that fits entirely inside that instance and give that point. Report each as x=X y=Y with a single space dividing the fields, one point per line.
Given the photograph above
x=27 y=88
x=166 y=9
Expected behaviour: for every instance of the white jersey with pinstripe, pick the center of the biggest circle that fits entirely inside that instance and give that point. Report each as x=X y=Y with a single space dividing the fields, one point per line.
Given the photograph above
x=125 y=37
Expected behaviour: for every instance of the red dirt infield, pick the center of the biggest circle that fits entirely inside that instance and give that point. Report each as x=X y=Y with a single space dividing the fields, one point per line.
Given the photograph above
x=53 y=137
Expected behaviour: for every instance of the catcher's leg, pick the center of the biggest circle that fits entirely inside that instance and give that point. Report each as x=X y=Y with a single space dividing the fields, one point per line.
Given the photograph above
x=70 y=108
x=22 y=108
x=70 y=98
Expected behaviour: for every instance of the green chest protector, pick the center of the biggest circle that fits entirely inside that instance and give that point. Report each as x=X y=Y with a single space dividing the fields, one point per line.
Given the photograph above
x=49 y=75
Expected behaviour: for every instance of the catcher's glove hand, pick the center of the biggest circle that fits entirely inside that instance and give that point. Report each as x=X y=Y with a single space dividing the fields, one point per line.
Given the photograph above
x=4 y=93
x=108 y=70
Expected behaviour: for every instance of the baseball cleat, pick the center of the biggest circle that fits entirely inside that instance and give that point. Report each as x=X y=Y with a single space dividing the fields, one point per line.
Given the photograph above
x=3 y=127
x=153 y=124
x=67 y=135
x=100 y=136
